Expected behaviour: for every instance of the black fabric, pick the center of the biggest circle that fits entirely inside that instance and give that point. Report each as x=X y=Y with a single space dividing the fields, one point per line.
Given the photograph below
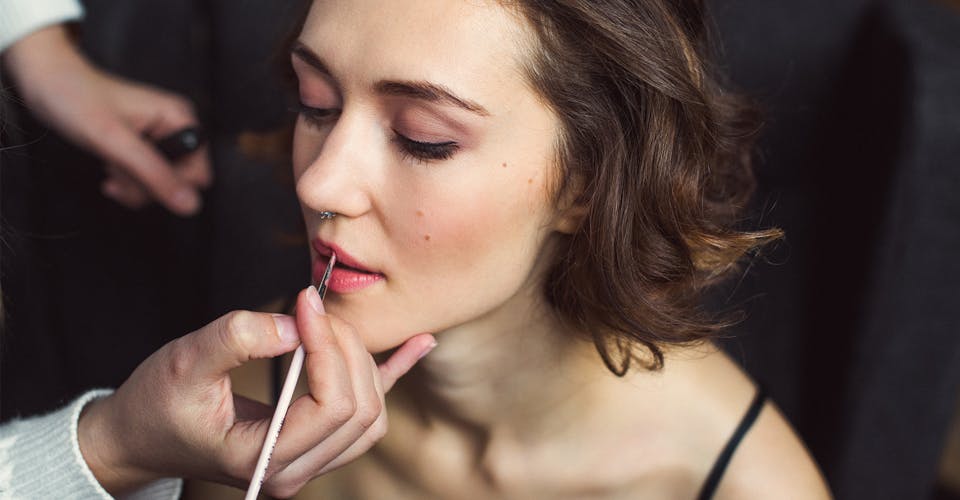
x=723 y=459
x=91 y=288
x=853 y=319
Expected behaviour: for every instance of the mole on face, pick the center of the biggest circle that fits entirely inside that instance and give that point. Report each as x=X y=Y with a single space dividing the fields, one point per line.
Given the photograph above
x=426 y=237
x=504 y=165
x=419 y=213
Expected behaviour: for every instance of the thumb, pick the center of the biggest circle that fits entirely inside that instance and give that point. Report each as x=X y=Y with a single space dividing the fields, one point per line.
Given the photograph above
x=238 y=337
x=138 y=159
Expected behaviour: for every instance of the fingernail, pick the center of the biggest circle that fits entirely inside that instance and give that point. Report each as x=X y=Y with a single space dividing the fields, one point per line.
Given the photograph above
x=427 y=350
x=314 y=299
x=286 y=329
x=186 y=201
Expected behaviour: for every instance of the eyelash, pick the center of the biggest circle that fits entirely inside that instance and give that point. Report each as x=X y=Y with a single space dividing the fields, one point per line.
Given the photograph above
x=425 y=151
x=411 y=149
x=317 y=117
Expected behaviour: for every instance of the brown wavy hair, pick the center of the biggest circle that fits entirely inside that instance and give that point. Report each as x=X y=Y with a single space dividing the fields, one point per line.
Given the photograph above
x=659 y=153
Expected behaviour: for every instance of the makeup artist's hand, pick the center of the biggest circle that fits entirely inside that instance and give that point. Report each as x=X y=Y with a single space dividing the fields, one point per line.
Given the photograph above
x=177 y=417
x=110 y=117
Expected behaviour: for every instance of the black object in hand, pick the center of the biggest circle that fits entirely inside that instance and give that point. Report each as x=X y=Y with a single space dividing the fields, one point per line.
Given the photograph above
x=180 y=143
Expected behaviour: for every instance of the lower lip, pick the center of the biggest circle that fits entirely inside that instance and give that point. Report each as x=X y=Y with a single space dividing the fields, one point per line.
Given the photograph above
x=343 y=280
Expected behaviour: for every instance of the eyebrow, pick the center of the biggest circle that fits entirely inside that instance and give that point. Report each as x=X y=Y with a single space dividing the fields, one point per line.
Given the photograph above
x=430 y=92
x=427 y=91
x=308 y=56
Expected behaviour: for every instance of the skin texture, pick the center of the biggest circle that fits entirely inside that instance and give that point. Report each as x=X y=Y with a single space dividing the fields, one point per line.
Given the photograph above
x=176 y=416
x=511 y=404
x=110 y=116
x=465 y=233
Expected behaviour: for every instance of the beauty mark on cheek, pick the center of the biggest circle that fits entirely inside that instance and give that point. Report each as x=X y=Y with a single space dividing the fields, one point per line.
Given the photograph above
x=504 y=165
x=426 y=237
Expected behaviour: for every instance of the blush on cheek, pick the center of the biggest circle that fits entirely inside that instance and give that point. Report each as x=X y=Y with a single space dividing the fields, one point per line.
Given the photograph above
x=460 y=230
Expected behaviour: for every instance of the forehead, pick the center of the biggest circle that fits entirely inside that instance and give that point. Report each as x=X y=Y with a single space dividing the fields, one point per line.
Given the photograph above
x=468 y=44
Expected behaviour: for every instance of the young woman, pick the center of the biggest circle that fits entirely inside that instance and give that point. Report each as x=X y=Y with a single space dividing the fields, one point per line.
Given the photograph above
x=547 y=187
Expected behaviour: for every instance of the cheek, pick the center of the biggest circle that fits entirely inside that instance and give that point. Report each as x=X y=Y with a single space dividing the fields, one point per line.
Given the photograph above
x=470 y=223
x=442 y=226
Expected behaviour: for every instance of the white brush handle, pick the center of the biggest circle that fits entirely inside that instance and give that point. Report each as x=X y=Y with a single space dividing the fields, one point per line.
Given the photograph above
x=273 y=432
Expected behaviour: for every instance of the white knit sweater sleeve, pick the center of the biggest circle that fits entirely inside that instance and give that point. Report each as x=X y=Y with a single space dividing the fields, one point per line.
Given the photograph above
x=40 y=458
x=19 y=18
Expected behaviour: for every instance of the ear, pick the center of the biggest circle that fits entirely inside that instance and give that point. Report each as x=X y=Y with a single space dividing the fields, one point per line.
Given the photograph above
x=571 y=210
x=569 y=220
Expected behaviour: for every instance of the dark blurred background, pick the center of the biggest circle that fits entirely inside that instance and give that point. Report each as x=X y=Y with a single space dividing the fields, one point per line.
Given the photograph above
x=853 y=320
x=91 y=288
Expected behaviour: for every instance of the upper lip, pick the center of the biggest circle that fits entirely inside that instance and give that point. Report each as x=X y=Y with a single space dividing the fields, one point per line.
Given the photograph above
x=325 y=248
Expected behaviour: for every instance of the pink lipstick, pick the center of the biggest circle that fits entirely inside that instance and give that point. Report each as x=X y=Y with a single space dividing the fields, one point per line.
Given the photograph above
x=348 y=275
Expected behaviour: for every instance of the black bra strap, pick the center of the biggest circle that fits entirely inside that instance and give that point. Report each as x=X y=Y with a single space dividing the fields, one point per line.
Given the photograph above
x=720 y=466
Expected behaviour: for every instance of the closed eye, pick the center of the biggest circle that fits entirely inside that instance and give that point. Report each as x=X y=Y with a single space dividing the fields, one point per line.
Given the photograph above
x=317 y=117
x=425 y=151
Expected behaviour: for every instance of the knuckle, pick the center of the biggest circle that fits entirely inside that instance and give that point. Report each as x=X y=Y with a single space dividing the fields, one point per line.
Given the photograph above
x=338 y=325
x=351 y=332
x=368 y=412
x=180 y=360
x=234 y=330
x=340 y=410
x=379 y=429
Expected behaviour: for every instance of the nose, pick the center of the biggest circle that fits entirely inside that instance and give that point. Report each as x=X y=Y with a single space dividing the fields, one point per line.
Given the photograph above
x=341 y=176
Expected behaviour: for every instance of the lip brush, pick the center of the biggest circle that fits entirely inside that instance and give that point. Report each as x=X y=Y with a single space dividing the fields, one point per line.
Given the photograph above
x=283 y=402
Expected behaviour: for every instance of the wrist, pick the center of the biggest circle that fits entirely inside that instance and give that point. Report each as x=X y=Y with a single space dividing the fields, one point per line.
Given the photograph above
x=106 y=456
x=40 y=57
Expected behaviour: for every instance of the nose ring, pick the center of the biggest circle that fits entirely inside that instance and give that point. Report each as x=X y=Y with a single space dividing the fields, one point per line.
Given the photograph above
x=326 y=215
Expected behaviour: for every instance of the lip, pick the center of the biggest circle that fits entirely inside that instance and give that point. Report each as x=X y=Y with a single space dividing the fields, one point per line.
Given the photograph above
x=342 y=279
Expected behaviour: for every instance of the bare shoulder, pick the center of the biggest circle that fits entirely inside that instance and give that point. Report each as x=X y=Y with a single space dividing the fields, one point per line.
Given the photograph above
x=772 y=462
x=686 y=414
x=707 y=395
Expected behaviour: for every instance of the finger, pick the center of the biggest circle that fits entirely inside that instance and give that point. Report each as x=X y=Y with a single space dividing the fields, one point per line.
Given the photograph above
x=331 y=402
x=360 y=432
x=369 y=438
x=173 y=114
x=129 y=152
x=195 y=168
x=236 y=338
x=170 y=113
x=401 y=361
x=121 y=186
x=123 y=193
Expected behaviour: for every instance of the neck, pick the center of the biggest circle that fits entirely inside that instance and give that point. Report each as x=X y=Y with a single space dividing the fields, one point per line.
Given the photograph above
x=513 y=372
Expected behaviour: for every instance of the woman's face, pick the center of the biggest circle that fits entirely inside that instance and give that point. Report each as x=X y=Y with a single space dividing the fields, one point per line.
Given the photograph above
x=419 y=131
